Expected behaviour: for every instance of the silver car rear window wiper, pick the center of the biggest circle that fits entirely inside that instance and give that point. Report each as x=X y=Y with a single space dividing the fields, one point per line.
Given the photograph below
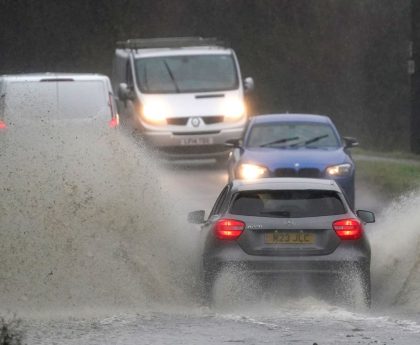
x=281 y=214
x=279 y=141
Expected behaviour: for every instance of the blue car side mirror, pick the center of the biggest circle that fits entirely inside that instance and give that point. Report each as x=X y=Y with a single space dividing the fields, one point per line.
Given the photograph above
x=235 y=143
x=350 y=142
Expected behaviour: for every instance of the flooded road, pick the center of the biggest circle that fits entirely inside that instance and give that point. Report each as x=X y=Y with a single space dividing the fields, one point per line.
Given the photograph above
x=282 y=326
x=96 y=250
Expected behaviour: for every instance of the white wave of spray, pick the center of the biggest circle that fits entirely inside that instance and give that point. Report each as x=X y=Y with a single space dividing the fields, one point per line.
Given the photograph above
x=395 y=240
x=85 y=223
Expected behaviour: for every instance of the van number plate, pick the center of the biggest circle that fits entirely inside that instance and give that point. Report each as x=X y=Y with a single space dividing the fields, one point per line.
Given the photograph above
x=197 y=141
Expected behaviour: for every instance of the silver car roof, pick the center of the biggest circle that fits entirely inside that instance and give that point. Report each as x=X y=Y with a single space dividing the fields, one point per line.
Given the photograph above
x=294 y=117
x=284 y=183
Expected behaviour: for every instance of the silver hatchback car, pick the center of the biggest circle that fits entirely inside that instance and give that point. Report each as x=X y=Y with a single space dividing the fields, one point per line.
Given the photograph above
x=285 y=226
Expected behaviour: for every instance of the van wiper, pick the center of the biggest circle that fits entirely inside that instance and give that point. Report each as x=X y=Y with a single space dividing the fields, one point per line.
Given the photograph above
x=171 y=75
x=310 y=141
x=279 y=141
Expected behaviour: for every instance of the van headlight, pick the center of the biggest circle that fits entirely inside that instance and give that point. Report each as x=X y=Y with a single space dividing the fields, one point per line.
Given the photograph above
x=339 y=170
x=247 y=171
x=155 y=112
x=233 y=109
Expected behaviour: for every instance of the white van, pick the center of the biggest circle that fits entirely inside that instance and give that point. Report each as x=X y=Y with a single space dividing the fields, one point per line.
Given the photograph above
x=184 y=95
x=53 y=96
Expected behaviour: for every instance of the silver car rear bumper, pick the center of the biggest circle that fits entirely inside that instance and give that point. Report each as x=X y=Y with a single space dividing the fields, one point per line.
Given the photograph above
x=342 y=258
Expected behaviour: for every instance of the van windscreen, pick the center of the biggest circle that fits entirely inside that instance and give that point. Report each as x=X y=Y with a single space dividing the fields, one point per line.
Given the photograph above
x=287 y=203
x=187 y=73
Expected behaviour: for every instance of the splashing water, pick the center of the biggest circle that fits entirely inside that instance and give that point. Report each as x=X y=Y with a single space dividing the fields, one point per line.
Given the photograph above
x=395 y=241
x=85 y=222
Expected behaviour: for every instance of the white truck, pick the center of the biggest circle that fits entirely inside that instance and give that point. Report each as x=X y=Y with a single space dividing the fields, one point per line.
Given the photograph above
x=184 y=95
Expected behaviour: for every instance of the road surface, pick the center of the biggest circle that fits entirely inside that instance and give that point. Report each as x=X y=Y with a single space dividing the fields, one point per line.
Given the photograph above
x=108 y=258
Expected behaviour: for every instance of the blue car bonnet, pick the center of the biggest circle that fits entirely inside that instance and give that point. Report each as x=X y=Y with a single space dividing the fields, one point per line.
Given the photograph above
x=274 y=158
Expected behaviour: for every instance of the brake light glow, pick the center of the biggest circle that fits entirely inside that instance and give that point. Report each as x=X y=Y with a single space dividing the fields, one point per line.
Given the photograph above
x=348 y=229
x=114 y=122
x=228 y=229
x=2 y=125
x=115 y=119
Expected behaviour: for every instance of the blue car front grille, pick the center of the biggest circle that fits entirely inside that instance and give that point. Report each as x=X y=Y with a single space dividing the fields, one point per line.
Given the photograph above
x=304 y=172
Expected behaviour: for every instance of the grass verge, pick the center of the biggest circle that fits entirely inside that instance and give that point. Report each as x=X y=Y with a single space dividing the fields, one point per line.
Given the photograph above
x=390 y=178
x=389 y=154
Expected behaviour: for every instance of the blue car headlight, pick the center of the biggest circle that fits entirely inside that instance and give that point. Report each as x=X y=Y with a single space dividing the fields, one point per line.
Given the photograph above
x=249 y=171
x=339 y=170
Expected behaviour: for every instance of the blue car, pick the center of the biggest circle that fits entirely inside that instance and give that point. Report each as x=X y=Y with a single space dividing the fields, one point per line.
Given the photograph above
x=293 y=145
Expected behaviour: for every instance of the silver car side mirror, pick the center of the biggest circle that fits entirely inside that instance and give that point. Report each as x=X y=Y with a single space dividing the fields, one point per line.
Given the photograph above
x=366 y=216
x=196 y=217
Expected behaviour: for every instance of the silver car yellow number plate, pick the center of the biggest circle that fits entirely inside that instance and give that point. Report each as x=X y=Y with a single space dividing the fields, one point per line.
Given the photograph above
x=288 y=237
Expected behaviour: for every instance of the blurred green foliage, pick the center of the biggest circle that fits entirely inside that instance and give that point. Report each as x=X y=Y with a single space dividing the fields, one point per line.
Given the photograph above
x=345 y=59
x=390 y=178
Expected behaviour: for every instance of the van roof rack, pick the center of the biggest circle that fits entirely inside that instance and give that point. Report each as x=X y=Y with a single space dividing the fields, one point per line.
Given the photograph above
x=170 y=42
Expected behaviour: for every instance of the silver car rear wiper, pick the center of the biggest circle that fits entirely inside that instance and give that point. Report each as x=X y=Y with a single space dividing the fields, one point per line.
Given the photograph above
x=282 y=214
x=279 y=141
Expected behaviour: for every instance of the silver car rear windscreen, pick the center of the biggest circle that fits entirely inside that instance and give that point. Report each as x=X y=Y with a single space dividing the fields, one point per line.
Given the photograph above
x=287 y=203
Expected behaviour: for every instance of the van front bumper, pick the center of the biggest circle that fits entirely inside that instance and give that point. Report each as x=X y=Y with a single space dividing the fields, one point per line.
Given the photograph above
x=206 y=144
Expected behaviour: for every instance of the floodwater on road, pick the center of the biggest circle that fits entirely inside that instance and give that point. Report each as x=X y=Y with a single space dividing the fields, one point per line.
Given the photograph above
x=317 y=324
x=96 y=250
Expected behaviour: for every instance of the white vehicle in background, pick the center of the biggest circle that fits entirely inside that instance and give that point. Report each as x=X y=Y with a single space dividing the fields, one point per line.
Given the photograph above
x=56 y=97
x=184 y=95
